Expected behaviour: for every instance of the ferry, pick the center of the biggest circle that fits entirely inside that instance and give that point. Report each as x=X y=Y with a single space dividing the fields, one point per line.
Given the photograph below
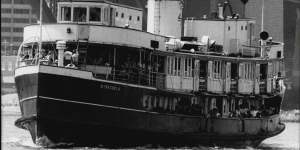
x=94 y=79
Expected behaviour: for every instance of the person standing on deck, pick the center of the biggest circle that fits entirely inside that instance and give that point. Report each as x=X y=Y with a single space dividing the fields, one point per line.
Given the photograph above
x=75 y=57
x=67 y=57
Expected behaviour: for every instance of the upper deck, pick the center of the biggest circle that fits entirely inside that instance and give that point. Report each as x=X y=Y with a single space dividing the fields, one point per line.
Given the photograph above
x=93 y=34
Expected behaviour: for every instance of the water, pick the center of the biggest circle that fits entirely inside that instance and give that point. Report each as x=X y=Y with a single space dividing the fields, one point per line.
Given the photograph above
x=14 y=138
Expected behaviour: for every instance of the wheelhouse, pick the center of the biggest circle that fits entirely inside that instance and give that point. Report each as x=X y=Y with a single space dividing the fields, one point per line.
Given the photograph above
x=99 y=13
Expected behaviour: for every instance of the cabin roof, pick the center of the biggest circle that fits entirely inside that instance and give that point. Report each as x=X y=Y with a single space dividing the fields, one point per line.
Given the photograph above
x=214 y=57
x=89 y=24
x=210 y=19
x=103 y=1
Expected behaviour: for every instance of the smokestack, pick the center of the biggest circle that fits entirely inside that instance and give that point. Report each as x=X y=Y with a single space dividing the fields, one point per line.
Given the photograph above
x=220 y=11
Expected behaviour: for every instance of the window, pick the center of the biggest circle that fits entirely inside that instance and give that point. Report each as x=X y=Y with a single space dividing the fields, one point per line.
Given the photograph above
x=242 y=28
x=5 y=29
x=17 y=39
x=18 y=29
x=228 y=28
x=122 y=15
x=5 y=39
x=174 y=66
x=21 y=20
x=19 y=1
x=79 y=14
x=245 y=27
x=6 y=1
x=65 y=13
x=138 y=18
x=248 y=71
x=188 y=67
x=6 y=20
x=216 y=69
x=33 y=20
x=21 y=11
x=117 y=14
x=130 y=17
x=5 y=10
x=95 y=14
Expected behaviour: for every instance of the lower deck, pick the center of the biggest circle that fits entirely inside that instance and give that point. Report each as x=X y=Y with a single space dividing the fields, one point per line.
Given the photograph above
x=72 y=84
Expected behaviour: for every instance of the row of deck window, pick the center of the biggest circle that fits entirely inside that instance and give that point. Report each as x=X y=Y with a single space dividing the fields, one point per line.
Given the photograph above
x=179 y=66
x=96 y=14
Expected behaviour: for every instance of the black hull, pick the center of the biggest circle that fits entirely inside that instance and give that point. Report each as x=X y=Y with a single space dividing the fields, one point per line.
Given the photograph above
x=58 y=132
x=61 y=110
x=55 y=132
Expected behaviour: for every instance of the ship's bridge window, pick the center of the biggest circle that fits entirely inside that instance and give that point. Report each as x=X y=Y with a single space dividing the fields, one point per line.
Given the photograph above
x=79 y=14
x=95 y=14
x=65 y=13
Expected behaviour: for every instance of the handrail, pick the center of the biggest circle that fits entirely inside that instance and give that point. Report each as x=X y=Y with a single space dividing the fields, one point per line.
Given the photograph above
x=134 y=75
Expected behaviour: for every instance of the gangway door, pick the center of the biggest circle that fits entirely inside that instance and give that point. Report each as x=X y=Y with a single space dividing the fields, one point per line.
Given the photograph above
x=82 y=50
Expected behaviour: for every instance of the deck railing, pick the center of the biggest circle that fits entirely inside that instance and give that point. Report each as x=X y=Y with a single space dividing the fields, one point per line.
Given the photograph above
x=133 y=76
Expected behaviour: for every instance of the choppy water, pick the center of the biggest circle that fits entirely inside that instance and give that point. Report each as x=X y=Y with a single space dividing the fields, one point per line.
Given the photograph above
x=13 y=138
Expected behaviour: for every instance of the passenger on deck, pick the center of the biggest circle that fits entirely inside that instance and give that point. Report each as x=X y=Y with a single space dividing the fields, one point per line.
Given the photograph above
x=25 y=57
x=82 y=18
x=67 y=57
x=253 y=111
x=231 y=114
x=42 y=54
x=42 y=57
x=50 y=57
x=75 y=57
x=237 y=113
x=214 y=113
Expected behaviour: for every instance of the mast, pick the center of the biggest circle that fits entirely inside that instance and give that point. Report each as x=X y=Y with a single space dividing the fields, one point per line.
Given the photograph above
x=182 y=5
x=262 y=48
x=40 y=39
x=262 y=15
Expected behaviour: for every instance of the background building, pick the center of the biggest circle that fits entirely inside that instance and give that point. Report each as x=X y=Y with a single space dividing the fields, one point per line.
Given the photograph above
x=15 y=14
x=292 y=55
